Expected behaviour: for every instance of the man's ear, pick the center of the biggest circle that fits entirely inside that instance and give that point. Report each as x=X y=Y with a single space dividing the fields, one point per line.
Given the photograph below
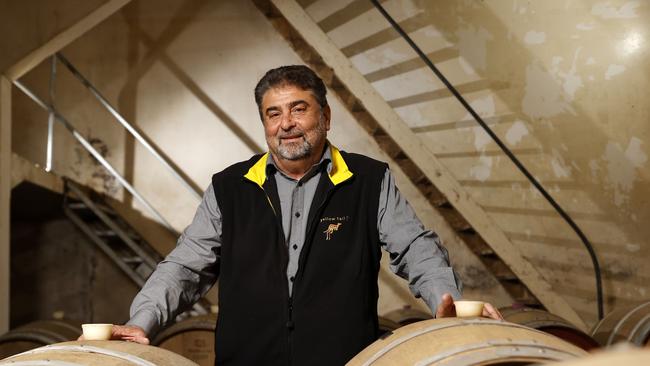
x=327 y=114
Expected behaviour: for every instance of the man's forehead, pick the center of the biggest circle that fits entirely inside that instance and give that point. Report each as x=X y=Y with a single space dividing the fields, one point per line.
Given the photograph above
x=286 y=93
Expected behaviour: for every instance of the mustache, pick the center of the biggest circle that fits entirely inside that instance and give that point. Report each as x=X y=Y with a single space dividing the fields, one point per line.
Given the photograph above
x=291 y=134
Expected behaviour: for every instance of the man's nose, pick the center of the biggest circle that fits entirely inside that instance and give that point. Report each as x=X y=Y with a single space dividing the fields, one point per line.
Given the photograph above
x=287 y=122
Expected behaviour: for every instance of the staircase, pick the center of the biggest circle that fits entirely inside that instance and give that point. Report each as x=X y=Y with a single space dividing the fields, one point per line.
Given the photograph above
x=115 y=237
x=382 y=113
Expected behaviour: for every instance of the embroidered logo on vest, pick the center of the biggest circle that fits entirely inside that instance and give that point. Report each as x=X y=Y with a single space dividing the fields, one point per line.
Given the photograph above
x=330 y=230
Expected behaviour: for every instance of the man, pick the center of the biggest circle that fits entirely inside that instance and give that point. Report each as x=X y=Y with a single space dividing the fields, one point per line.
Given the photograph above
x=294 y=237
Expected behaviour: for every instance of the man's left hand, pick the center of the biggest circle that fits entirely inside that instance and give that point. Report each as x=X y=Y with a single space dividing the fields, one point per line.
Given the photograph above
x=489 y=311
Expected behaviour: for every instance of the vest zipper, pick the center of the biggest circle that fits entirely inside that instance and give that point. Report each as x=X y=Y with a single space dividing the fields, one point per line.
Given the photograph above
x=289 y=325
x=290 y=330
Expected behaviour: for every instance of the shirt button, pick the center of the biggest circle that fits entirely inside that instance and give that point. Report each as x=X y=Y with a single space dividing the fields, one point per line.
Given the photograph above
x=295 y=246
x=297 y=214
x=299 y=184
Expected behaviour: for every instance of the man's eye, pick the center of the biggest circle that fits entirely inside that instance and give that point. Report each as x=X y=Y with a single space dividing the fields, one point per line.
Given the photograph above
x=298 y=110
x=273 y=115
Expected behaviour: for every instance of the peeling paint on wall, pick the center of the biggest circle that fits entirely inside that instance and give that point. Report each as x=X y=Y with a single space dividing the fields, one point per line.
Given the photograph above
x=586 y=26
x=472 y=45
x=533 y=37
x=376 y=60
x=614 y=70
x=560 y=168
x=606 y=10
x=483 y=169
x=621 y=167
x=516 y=132
x=432 y=32
x=572 y=81
x=543 y=97
x=485 y=107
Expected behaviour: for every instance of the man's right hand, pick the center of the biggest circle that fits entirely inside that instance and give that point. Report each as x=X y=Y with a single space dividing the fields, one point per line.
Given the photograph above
x=129 y=333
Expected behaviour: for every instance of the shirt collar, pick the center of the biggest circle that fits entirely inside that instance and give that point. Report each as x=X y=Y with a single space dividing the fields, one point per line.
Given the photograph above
x=337 y=169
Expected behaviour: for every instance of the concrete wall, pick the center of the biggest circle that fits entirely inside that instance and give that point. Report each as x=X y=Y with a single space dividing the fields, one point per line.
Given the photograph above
x=569 y=98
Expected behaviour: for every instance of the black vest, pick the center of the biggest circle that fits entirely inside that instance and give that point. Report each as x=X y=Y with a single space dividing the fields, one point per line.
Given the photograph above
x=332 y=314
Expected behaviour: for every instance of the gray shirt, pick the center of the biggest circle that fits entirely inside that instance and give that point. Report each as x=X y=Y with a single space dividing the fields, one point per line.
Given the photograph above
x=189 y=271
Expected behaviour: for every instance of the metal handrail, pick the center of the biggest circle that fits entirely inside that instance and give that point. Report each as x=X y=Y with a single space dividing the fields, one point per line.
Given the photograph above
x=50 y=117
x=93 y=152
x=513 y=158
x=104 y=102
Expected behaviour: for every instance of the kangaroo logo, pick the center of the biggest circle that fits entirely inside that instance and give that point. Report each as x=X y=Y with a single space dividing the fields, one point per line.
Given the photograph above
x=330 y=230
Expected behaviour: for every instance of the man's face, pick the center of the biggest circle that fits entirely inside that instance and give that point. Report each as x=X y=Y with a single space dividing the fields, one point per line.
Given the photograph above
x=294 y=123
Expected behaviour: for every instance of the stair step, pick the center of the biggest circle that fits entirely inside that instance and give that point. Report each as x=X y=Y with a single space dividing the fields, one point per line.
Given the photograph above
x=132 y=260
x=107 y=233
x=441 y=55
x=386 y=35
x=80 y=206
x=345 y=14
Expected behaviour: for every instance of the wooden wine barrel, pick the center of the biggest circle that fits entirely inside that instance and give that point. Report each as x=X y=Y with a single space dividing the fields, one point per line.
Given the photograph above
x=465 y=341
x=623 y=357
x=192 y=338
x=407 y=315
x=105 y=353
x=549 y=323
x=37 y=334
x=631 y=324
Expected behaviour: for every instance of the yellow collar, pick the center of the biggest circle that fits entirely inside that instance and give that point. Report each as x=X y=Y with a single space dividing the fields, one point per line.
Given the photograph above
x=338 y=174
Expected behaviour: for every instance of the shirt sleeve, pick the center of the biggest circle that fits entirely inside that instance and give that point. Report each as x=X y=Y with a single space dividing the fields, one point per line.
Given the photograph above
x=416 y=254
x=186 y=274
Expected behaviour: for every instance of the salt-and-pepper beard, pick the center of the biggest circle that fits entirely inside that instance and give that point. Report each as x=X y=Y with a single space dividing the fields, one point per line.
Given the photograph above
x=303 y=150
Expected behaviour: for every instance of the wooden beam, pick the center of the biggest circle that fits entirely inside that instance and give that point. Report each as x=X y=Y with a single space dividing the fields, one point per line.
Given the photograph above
x=419 y=153
x=5 y=199
x=64 y=38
